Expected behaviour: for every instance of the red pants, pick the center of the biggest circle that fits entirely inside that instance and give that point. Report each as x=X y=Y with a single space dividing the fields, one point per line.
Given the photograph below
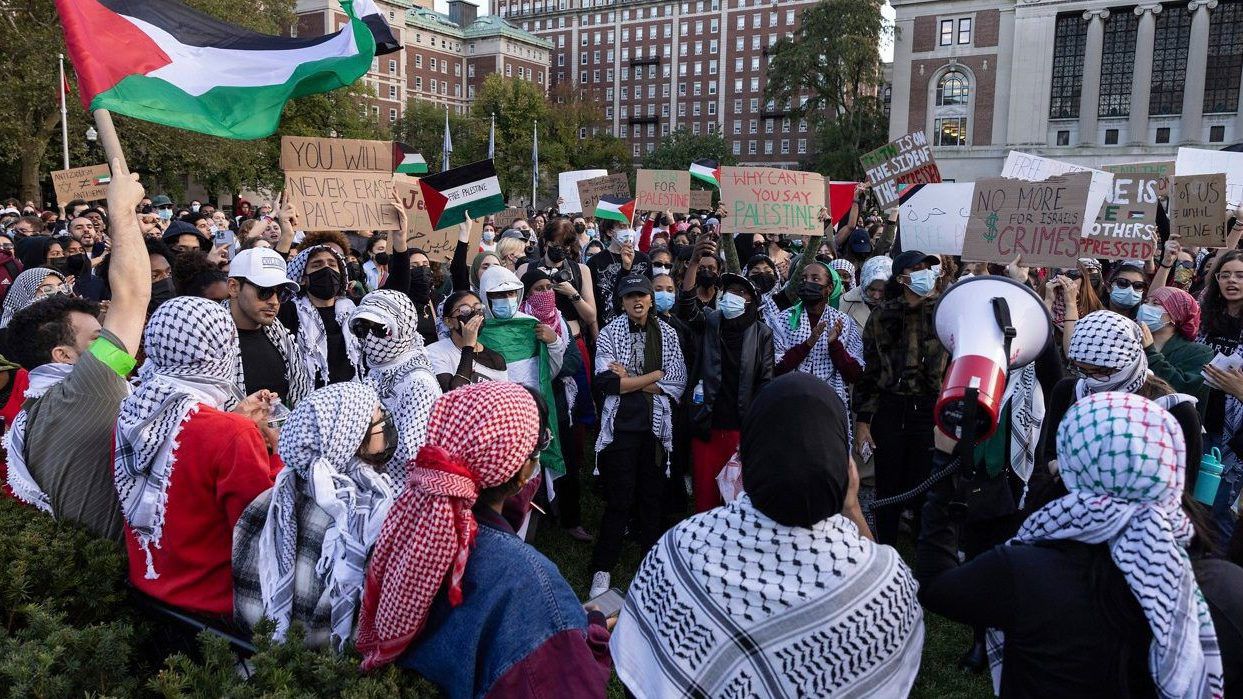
x=707 y=460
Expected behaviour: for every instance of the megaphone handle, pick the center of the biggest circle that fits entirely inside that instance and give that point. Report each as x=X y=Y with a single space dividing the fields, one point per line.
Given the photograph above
x=966 y=440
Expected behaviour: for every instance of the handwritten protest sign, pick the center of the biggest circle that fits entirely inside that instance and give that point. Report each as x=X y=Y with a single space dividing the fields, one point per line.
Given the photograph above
x=701 y=200
x=567 y=189
x=1198 y=210
x=505 y=219
x=1197 y=161
x=438 y=244
x=89 y=183
x=934 y=217
x=907 y=160
x=1042 y=221
x=772 y=201
x=1162 y=170
x=590 y=191
x=663 y=190
x=340 y=184
x=1126 y=228
x=1034 y=168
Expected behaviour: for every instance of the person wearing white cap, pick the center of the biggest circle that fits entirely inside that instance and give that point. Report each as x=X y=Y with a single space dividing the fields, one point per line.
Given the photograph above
x=258 y=285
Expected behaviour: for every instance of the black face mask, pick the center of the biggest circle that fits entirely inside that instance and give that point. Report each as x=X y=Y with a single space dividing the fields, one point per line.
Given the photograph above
x=75 y=264
x=382 y=458
x=556 y=255
x=764 y=282
x=421 y=284
x=323 y=283
x=464 y=319
x=381 y=258
x=161 y=291
x=706 y=280
x=581 y=228
x=58 y=263
x=680 y=251
x=355 y=270
x=811 y=292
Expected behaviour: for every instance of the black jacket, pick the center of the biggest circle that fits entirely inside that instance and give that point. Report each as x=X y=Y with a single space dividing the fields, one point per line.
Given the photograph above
x=755 y=367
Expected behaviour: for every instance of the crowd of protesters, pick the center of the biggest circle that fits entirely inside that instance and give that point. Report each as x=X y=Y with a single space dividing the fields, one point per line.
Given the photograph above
x=342 y=432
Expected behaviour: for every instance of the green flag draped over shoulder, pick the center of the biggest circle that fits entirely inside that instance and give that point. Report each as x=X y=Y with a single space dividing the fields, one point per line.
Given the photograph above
x=527 y=361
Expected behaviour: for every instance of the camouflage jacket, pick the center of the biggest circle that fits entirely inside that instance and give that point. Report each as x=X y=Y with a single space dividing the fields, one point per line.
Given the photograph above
x=901 y=355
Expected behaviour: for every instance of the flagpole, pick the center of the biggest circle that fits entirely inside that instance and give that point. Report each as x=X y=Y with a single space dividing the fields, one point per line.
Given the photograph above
x=108 y=137
x=492 y=138
x=64 y=112
x=535 y=163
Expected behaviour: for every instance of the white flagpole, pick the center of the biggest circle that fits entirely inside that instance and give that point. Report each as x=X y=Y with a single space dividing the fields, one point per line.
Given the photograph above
x=64 y=113
x=492 y=139
x=535 y=163
x=447 y=146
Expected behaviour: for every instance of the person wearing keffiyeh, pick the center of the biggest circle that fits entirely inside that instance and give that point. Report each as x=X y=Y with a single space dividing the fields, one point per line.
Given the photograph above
x=450 y=591
x=319 y=315
x=185 y=469
x=300 y=550
x=30 y=286
x=1096 y=595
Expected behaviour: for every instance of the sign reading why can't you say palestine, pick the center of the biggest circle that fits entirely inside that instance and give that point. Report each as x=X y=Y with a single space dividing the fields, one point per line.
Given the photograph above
x=1040 y=221
x=772 y=201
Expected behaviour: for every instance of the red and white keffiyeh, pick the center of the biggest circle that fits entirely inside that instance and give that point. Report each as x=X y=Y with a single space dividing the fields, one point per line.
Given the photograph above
x=543 y=305
x=478 y=438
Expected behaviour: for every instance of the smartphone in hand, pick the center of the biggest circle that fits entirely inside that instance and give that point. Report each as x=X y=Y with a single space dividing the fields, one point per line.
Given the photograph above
x=609 y=603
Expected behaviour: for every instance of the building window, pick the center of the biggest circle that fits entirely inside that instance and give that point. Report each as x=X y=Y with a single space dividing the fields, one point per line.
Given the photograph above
x=392 y=66
x=1163 y=134
x=1063 y=137
x=947 y=32
x=392 y=116
x=1117 y=64
x=1216 y=134
x=392 y=92
x=751 y=148
x=1111 y=137
x=737 y=148
x=950 y=131
x=964 y=30
x=1070 y=35
x=785 y=146
x=953 y=88
x=1169 y=60
x=1225 y=58
x=802 y=146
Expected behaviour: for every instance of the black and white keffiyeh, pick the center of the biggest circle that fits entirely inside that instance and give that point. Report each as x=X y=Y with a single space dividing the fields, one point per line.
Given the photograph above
x=819 y=361
x=1027 y=410
x=23 y=485
x=318 y=446
x=731 y=603
x=192 y=350
x=617 y=343
x=400 y=372
x=312 y=336
x=1111 y=340
x=23 y=291
x=296 y=375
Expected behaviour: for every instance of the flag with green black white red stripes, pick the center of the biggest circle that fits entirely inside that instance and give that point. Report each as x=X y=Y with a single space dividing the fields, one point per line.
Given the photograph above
x=407 y=161
x=473 y=188
x=707 y=171
x=615 y=209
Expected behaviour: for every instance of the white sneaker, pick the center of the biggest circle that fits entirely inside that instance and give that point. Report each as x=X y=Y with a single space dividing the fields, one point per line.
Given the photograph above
x=599 y=584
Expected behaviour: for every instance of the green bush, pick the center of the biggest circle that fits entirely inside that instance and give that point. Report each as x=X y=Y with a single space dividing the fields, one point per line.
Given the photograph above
x=70 y=630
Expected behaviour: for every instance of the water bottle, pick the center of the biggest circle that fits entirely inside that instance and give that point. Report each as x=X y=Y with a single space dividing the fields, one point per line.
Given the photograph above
x=1209 y=478
x=697 y=397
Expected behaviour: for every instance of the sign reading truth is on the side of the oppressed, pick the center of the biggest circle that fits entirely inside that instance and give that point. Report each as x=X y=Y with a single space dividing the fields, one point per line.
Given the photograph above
x=89 y=183
x=1040 y=221
x=907 y=160
x=1126 y=228
x=663 y=190
x=772 y=201
x=1198 y=210
x=339 y=184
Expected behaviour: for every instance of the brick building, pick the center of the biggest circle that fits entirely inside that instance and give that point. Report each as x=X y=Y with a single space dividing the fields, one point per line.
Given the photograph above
x=444 y=58
x=1088 y=81
x=659 y=65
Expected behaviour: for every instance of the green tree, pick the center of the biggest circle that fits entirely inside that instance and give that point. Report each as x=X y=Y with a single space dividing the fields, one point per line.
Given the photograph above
x=679 y=149
x=829 y=72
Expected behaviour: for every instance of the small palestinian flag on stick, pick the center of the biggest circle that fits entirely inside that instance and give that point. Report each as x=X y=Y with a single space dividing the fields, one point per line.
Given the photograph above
x=101 y=179
x=406 y=161
x=449 y=195
x=707 y=171
x=160 y=61
x=616 y=209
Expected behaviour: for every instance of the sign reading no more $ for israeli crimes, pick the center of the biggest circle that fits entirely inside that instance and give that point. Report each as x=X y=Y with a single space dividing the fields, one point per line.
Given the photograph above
x=772 y=201
x=1040 y=221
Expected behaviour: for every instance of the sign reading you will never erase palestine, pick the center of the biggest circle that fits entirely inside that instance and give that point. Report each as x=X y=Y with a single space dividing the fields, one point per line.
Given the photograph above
x=340 y=184
x=772 y=201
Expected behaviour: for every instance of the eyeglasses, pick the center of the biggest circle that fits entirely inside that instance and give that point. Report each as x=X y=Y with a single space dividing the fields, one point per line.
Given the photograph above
x=545 y=441
x=362 y=327
x=49 y=289
x=1128 y=284
x=1099 y=373
x=265 y=293
x=1227 y=276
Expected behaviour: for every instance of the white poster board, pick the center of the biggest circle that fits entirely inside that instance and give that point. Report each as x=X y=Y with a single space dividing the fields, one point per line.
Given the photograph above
x=567 y=188
x=934 y=217
x=1198 y=161
x=1033 y=168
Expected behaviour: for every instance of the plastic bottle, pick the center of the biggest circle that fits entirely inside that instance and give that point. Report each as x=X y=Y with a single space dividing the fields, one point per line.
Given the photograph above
x=697 y=397
x=1209 y=478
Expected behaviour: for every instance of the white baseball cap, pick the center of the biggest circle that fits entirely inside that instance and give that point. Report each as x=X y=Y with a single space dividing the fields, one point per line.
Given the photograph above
x=263 y=267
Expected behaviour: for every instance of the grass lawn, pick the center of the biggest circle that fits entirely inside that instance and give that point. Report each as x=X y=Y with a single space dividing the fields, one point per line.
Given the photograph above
x=944 y=641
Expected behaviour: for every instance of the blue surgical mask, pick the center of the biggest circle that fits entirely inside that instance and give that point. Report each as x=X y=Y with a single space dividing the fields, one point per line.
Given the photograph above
x=625 y=237
x=1150 y=315
x=504 y=308
x=922 y=282
x=664 y=301
x=731 y=305
x=164 y=214
x=1125 y=298
x=489 y=236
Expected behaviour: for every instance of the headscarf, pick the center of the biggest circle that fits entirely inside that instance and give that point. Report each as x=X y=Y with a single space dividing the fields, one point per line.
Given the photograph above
x=1182 y=307
x=477 y=263
x=312 y=335
x=878 y=268
x=1108 y=339
x=22 y=292
x=796 y=482
x=318 y=446
x=845 y=267
x=542 y=304
x=479 y=436
x=191 y=346
x=1122 y=459
x=400 y=373
x=32 y=250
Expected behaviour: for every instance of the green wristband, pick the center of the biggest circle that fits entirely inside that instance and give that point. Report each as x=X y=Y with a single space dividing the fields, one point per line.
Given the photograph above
x=114 y=357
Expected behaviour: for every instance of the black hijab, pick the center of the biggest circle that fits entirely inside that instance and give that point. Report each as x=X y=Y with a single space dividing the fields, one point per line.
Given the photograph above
x=794 y=449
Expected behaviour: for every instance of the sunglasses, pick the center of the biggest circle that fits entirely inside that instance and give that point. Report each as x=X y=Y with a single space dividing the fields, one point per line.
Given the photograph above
x=545 y=441
x=362 y=327
x=1126 y=284
x=265 y=293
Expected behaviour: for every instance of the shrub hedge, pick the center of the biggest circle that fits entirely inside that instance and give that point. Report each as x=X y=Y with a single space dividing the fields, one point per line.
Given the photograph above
x=70 y=630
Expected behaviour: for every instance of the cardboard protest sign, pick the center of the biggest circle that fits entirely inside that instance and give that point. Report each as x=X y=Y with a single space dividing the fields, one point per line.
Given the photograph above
x=701 y=200
x=1041 y=221
x=907 y=160
x=438 y=244
x=1197 y=161
x=567 y=189
x=1198 y=210
x=590 y=191
x=663 y=190
x=505 y=219
x=1033 y=168
x=1162 y=170
x=1126 y=228
x=340 y=184
x=934 y=217
x=772 y=201
x=89 y=183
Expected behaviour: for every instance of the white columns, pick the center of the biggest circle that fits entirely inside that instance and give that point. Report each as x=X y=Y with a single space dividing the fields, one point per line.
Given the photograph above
x=1090 y=95
x=1197 y=64
x=1141 y=82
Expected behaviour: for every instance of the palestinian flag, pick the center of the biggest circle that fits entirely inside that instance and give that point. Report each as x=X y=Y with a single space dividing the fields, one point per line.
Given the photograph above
x=160 y=61
x=406 y=161
x=707 y=171
x=450 y=194
x=101 y=179
x=526 y=359
x=616 y=209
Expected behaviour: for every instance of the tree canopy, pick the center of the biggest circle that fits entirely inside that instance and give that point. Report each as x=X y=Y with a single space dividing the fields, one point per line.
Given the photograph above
x=677 y=150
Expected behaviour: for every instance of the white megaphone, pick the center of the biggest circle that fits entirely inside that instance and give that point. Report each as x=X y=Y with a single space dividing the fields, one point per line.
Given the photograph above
x=990 y=326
